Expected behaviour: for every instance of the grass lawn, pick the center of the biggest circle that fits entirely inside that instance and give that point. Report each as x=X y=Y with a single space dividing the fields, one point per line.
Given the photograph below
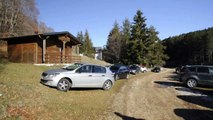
x=23 y=97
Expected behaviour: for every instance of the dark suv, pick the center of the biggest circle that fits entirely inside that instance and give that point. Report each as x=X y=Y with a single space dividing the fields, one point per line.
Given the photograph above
x=192 y=75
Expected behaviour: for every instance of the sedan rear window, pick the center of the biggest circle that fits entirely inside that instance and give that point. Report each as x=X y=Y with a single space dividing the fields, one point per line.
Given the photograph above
x=85 y=69
x=98 y=69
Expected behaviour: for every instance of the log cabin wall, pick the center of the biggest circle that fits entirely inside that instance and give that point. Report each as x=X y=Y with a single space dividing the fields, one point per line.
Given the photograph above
x=53 y=50
x=22 y=50
x=15 y=52
x=68 y=49
x=29 y=49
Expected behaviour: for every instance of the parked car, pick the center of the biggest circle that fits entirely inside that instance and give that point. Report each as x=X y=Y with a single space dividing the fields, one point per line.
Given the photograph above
x=156 y=69
x=192 y=75
x=143 y=69
x=79 y=75
x=120 y=71
x=134 y=69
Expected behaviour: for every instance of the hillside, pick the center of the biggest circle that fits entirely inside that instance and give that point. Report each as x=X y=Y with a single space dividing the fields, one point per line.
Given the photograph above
x=190 y=48
x=85 y=59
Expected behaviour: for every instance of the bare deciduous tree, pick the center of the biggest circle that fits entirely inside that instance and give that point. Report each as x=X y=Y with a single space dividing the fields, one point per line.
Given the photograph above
x=43 y=28
x=18 y=17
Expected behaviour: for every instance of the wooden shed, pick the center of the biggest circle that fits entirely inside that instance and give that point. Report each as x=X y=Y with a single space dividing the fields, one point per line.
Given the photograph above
x=54 y=47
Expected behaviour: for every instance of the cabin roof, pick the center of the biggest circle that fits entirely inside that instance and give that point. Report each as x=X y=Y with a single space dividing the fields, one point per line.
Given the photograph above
x=44 y=35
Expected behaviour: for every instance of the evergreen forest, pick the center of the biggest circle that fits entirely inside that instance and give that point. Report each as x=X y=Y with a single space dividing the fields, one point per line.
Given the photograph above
x=134 y=43
x=190 y=48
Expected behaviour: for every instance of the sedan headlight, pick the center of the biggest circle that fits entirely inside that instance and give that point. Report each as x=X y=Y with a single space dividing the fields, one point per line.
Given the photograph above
x=52 y=75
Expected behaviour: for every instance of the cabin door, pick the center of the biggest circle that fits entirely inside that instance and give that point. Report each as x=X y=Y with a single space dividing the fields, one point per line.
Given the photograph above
x=28 y=53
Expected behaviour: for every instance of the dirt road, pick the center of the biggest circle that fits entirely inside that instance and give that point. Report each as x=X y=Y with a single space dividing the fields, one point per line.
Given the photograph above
x=157 y=96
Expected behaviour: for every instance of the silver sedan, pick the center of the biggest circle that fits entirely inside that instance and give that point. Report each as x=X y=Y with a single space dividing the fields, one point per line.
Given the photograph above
x=79 y=75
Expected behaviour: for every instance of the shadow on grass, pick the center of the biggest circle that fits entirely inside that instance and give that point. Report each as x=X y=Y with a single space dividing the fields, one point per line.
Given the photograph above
x=168 y=84
x=85 y=89
x=75 y=89
x=204 y=101
x=193 y=114
x=124 y=117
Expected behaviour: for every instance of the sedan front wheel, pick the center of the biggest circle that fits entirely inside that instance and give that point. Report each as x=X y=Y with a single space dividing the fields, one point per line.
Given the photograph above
x=64 y=85
x=107 y=85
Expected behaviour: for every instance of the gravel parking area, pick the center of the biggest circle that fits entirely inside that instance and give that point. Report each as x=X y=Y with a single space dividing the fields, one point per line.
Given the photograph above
x=158 y=96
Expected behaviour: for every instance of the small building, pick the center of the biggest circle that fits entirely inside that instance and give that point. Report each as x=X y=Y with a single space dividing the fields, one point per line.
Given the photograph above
x=98 y=53
x=54 y=47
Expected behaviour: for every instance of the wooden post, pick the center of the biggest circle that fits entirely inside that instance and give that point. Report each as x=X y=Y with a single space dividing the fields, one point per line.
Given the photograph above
x=36 y=53
x=63 y=52
x=44 y=50
x=43 y=47
x=64 y=39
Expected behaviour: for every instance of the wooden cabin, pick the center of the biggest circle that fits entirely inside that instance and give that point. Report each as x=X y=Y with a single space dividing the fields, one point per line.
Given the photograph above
x=54 y=47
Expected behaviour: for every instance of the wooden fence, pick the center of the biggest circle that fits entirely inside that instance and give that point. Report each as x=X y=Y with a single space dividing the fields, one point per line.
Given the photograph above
x=55 y=59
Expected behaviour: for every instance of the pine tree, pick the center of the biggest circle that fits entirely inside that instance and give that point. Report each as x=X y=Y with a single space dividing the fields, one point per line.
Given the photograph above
x=126 y=34
x=151 y=46
x=136 y=46
x=155 y=50
x=113 y=47
x=80 y=37
x=89 y=51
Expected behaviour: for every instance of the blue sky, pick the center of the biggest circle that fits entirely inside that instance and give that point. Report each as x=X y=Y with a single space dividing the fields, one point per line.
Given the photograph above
x=169 y=17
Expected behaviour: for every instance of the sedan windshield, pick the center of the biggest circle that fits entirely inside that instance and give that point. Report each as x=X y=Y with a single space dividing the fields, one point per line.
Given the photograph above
x=72 y=67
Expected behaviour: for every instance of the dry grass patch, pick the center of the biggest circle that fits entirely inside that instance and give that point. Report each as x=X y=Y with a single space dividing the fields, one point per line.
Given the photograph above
x=86 y=59
x=23 y=97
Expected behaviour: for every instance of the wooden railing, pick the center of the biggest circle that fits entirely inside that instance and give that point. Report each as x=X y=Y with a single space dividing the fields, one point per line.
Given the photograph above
x=61 y=59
